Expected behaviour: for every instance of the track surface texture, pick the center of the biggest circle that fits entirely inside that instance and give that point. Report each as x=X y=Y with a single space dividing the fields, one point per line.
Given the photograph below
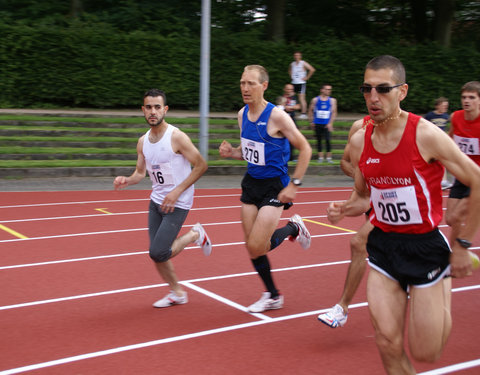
x=78 y=286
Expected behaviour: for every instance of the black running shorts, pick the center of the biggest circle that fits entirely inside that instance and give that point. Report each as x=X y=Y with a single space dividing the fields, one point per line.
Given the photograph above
x=410 y=259
x=459 y=190
x=262 y=192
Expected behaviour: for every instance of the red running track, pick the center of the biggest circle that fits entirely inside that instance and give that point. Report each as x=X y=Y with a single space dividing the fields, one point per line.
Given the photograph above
x=77 y=287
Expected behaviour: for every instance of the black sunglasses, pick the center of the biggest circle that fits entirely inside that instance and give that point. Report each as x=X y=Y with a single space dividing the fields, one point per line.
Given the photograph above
x=379 y=89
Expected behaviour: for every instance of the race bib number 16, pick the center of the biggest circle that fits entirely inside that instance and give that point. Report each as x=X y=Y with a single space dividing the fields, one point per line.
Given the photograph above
x=397 y=206
x=162 y=174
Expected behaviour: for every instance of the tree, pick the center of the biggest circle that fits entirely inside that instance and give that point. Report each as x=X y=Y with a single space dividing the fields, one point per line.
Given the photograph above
x=76 y=8
x=276 y=20
x=444 y=16
x=419 y=18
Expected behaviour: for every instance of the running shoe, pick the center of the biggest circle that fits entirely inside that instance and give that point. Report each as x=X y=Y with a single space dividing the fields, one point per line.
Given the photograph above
x=203 y=240
x=334 y=318
x=303 y=237
x=266 y=303
x=171 y=299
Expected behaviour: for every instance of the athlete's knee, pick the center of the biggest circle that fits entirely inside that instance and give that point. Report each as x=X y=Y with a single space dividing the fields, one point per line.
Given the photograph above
x=358 y=245
x=451 y=218
x=256 y=248
x=426 y=355
x=389 y=347
x=160 y=255
x=455 y=215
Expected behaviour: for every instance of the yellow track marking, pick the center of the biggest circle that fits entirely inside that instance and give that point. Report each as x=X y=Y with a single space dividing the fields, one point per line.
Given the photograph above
x=12 y=232
x=330 y=226
x=103 y=211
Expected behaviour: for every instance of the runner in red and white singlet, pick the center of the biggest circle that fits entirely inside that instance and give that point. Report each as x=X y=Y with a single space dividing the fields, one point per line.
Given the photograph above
x=405 y=190
x=396 y=166
x=465 y=131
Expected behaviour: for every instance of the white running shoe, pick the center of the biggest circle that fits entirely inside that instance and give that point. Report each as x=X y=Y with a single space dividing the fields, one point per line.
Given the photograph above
x=303 y=237
x=203 y=240
x=171 y=299
x=303 y=116
x=334 y=318
x=266 y=303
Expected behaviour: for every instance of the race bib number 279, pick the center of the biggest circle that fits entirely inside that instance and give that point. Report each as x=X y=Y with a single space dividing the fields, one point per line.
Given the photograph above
x=253 y=152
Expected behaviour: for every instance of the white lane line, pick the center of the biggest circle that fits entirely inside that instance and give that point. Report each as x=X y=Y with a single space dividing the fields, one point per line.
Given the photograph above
x=78 y=202
x=65 y=360
x=130 y=230
x=141 y=252
x=80 y=296
x=223 y=300
x=70 y=260
x=453 y=368
x=74 y=235
x=137 y=213
x=132 y=347
x=72 y=217
x=147 y=198
x=164 y=341
x=211 y=278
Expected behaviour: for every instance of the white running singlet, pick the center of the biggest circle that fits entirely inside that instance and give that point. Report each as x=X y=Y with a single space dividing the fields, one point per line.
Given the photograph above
x=167 y=169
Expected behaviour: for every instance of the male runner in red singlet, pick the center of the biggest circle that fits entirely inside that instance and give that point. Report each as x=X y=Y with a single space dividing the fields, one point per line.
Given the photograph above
x=465 y=131
x=398 y=174
x=337 y=316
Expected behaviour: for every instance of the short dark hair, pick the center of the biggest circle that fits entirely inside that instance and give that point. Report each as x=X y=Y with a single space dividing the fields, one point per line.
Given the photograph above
x=389 y=62
x=440 y=100
x=472 y=86
x=154 y=93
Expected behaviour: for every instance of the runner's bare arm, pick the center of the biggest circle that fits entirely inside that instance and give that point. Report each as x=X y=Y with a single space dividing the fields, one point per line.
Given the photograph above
x=122 y=182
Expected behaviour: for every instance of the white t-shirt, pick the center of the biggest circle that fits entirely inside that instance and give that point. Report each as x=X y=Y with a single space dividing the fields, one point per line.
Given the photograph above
x=298 y=72
x=167 y=169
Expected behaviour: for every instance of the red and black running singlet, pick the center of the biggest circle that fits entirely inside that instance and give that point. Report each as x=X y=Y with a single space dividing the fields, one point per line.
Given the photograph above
x=405 y=190
x=466 y=135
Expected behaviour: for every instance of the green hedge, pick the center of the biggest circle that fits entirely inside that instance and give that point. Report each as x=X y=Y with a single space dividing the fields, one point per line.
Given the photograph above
x=85 y=64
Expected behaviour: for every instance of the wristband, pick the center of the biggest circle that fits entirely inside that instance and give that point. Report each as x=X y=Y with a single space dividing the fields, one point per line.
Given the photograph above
x=464 y=243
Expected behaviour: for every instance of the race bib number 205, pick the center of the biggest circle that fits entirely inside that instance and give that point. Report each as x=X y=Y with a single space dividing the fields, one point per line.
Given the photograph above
x=397 y=206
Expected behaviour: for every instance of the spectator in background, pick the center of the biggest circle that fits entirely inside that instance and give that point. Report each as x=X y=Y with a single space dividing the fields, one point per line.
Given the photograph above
x=291 y=106
x=300 y=72
x=440 y=117
x=322 y=114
